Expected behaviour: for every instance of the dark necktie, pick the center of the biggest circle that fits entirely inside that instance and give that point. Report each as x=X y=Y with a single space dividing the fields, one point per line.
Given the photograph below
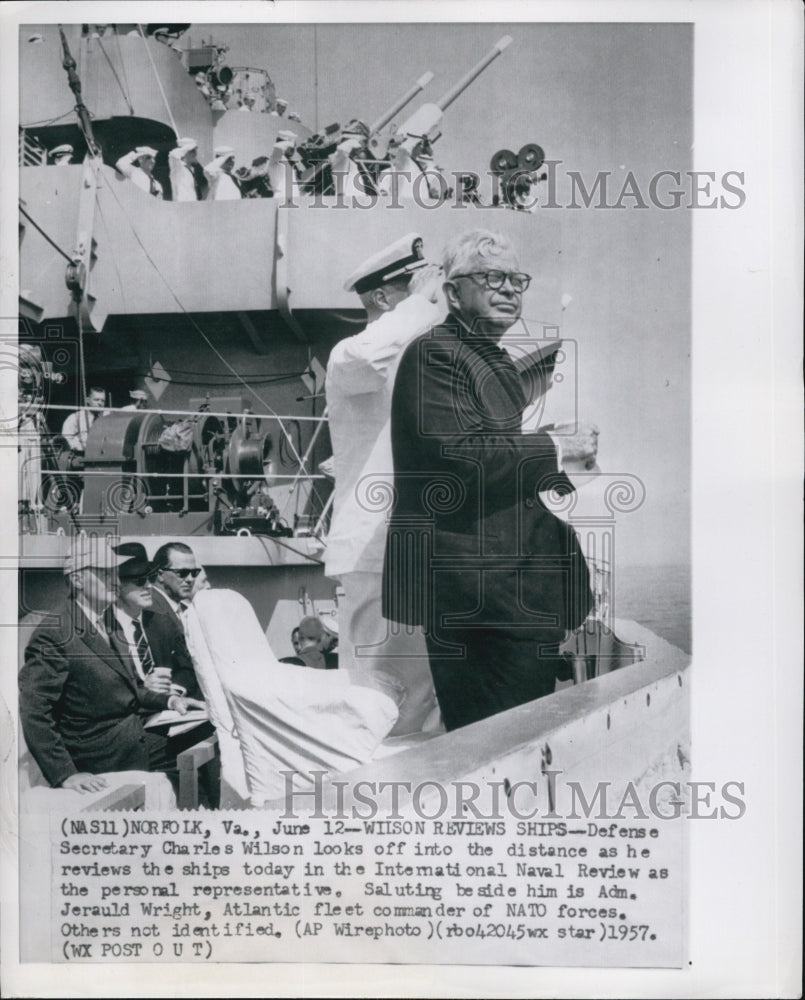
x=152 y=186
x=143 y=649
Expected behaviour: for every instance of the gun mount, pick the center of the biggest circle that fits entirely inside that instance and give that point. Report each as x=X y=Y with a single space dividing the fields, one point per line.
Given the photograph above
x=426 y=121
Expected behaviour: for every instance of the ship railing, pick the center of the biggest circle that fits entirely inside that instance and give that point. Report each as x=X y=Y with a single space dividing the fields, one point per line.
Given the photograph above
x=54 y=465
x=31 y=151
x=191 y=414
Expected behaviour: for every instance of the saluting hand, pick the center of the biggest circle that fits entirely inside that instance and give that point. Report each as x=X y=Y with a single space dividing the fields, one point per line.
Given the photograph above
x=427 y=282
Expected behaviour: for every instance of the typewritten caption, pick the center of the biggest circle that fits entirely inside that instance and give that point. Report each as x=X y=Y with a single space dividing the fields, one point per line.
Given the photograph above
x=128 y=887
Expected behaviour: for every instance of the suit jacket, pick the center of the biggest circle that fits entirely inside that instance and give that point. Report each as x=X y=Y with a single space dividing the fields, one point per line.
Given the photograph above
x=470 y=541
x=161 y=604
x=168 y=647
x=80 y=701
x=165 y=631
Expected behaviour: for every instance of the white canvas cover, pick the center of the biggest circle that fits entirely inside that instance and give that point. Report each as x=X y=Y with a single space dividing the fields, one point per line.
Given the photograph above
x=280 y=716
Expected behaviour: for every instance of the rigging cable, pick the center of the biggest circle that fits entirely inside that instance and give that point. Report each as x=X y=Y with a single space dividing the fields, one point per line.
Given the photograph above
x=46 y=121
x=40 y=230
x=112 y=255
x=159 y=82
x=125 y=75
x=213 y=348
x=114 y=73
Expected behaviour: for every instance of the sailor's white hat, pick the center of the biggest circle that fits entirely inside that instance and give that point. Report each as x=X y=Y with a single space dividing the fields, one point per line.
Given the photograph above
x=223 y=151
x=145 y=151
x=64 y=148
x=404 y=256
x=285 y=135
x=138 y=394
x=187 y=143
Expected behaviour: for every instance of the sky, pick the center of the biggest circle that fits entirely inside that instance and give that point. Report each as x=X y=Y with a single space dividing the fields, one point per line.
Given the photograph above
x=596 y=97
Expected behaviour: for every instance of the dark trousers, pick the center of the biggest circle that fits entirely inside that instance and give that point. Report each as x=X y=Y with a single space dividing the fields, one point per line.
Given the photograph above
x=497 y=671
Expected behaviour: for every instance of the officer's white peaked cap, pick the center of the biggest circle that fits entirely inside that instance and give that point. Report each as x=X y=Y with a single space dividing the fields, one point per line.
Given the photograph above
x=404 y=256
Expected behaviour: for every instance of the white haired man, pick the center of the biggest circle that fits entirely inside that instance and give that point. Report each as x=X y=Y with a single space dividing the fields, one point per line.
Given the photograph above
x=472 y=554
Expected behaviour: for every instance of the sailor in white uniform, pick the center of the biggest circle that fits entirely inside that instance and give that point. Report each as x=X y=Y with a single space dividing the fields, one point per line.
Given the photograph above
x=223 y=186
x=137 y=166
x=398 y=289
x=139 y=400
x=282 y=174
x=180 y=161
x=61 y=156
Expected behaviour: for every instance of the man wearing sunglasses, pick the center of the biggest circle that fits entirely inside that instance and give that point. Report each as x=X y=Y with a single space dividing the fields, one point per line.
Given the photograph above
x=175 y=573
x=472 y=554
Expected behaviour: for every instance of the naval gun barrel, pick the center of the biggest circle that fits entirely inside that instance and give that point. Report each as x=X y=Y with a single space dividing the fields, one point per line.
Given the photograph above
x=447 y=99
x=407 y=97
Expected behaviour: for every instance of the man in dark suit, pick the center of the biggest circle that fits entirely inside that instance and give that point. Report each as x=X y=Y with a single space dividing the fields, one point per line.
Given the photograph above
x=472 y=553
x=175 y=575
x=154 y=639
x=81 y=698
x=153 y=636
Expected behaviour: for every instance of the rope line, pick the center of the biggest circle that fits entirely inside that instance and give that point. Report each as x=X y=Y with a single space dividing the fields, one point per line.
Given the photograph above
x=52 y=242
x=159 y=82
x=114 y=73
x=123 y=67
x=239 y=378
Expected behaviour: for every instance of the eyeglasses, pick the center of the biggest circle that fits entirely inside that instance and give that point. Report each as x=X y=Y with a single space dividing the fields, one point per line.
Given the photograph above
x=183 y=573
x=138 y=581
x=497 y=279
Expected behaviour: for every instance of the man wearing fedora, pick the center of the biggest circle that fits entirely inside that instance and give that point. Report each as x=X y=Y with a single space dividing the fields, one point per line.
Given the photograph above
x=151 y=637
x=81 y=698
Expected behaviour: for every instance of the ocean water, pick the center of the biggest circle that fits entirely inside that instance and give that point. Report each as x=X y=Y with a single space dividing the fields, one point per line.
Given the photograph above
x=657 y=597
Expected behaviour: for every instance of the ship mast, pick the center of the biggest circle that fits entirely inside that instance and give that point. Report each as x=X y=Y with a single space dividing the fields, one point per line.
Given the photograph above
x=77 y=275
x=75 y=85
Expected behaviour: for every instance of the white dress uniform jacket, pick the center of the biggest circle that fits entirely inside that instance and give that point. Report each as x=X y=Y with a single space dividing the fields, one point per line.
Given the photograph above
x=183 y=183
x=359 y=383
x=222 y=186
x=137 y=176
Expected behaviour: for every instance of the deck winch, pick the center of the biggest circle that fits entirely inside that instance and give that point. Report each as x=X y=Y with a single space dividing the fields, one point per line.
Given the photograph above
x=216 y=463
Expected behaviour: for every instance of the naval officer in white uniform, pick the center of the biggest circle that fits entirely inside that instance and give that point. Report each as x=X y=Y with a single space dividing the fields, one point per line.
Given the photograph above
x=181 y=162
x=398 y=289
x=223 y=186
x=137 y=166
